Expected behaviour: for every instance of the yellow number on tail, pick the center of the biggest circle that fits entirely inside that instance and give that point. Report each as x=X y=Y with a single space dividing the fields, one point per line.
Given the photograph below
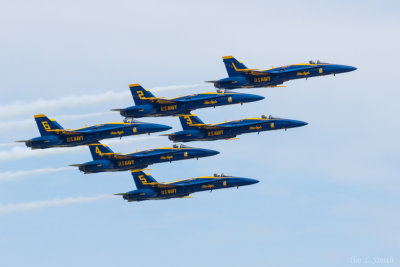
x=143 y=179
x=46 y=125
x=98 y=150
x=188 y=120
x=140 y=94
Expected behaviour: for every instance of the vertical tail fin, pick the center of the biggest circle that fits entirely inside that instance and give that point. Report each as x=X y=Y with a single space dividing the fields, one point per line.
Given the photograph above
x=140 y=94
x=142 y=180
x=45 y=124
x=97 y=149
x=233 y=66
x=188 y=120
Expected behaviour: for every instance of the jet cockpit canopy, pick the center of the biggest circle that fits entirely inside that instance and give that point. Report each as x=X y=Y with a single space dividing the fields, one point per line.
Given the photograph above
x=269 y=117
x=183 y=146
x=316 y=62
x=130 y=120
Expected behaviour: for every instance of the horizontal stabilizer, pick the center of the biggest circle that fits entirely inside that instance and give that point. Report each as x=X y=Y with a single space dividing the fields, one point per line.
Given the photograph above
x=76 y=165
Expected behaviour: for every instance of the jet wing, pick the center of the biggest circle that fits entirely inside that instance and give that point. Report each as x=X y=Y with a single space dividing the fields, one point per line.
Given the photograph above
x=159 y=100
x=167 y=185
x=165 y=101
x=211 y=126
x=116 y=156
x=67 y=132
x=208 y=126
x=153 y=152
x=86 y=130
x=226 y=125
x=99 y=128
x=199 y=97
x=285 y=70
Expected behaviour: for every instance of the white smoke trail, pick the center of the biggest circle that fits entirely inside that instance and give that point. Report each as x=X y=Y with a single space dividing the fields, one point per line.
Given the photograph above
x=19 y=152
x=34 y=205
x=7 y=144
x=41 y=105
x=11 y=175
x=21 y=124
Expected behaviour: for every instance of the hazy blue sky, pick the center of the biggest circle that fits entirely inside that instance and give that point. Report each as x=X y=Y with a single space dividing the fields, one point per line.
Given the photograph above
x=328 y=192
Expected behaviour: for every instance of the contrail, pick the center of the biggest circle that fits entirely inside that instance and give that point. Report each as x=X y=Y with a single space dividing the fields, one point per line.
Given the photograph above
x=21 y=124
x=11 y=175
x=34 y=205
x=19 y=152
x=7 y=144
x=45 y=105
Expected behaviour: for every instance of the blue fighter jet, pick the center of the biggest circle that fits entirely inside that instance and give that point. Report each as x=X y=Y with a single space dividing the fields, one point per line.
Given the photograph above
x=105 y=160
x=53 y=135
x=242 y=77
x=195 y=130
x=148 y=188
x=147 y=105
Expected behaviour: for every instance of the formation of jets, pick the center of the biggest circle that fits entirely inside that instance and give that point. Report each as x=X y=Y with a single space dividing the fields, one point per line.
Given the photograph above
x=193 y=129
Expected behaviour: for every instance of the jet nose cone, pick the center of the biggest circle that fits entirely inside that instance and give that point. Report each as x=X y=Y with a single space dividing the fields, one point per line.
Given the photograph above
x=247 y=98
x=242 y=181
x=341 y=68
x=348 y=68
x=161 y=127
x=209 y=152
x=298 y=123
x=251 y=181
x=255 y=98
x=212 y=152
